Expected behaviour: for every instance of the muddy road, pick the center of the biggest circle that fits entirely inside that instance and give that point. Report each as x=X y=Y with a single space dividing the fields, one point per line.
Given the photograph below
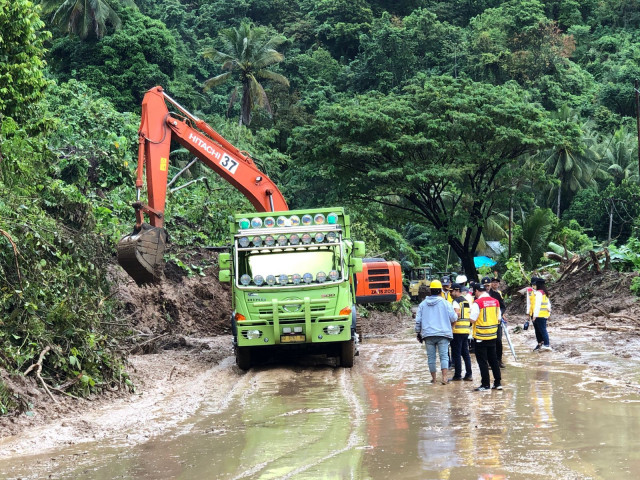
x=556 y=418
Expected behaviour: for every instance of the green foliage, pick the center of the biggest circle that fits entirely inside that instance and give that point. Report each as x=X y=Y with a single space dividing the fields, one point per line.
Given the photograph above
x=247 y=52
x=537 y=231
x=54 y=289
x=83 y=18
x=93 y=142
x=635 y=286
x=592 y=210
x=21 y=57
x=513 y=274
x=572 y=237
x=445 y=150
x=627 y=256
x=122 y=66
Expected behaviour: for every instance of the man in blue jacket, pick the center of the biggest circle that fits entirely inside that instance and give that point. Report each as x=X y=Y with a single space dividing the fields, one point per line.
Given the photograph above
x=433 y=326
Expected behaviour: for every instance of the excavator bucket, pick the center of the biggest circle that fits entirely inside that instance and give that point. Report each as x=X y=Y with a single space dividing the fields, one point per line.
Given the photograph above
x=141 y=254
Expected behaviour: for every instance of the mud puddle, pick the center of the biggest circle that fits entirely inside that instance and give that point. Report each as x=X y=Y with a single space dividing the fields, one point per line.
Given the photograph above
x=382 y=419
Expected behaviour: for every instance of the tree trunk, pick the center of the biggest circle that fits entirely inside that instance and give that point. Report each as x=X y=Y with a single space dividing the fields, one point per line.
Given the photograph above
x=469 y=267
x=559 y=198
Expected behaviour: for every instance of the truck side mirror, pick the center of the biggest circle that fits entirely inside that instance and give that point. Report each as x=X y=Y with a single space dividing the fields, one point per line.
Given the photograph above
x=358 y=249
x=224 y=276
x=224 y=260
x=356 y=264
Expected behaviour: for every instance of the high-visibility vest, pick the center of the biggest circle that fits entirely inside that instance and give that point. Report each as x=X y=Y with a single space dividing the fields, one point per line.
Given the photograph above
x=531 y=293
x=463 y=325
x=486 y=326
x=447 y=296
x=544 y=306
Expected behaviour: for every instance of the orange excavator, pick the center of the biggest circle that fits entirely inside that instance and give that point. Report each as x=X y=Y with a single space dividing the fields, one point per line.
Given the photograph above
x=141 y=252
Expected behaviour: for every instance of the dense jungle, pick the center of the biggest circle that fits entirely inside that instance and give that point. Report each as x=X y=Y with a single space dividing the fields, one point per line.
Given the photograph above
x=447 y=129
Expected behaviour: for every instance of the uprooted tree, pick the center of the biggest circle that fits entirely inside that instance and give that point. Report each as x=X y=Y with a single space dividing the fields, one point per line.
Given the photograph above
x=447 y=151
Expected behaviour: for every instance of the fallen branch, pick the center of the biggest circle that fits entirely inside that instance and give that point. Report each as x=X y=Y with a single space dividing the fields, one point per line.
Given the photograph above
x=600 y=327
x=38 y=367
x=148 y=341
x=15 y=254
x=596 y=262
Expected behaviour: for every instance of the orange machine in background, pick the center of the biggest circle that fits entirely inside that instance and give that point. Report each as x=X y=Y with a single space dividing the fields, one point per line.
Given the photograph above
x=379 y=282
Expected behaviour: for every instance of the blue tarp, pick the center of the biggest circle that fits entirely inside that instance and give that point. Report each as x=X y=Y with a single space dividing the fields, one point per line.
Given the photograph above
x=483 y=262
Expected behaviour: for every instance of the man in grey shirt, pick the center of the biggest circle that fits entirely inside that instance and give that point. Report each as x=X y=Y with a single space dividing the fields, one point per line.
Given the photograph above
x=433 y=325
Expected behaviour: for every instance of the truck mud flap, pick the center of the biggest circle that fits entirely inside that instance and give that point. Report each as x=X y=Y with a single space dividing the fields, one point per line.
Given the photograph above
x=141 y=254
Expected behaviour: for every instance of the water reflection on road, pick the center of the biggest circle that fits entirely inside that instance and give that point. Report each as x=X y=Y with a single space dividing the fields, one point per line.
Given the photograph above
x=383 y=419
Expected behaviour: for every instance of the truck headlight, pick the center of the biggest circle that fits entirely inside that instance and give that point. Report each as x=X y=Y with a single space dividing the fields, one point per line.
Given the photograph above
x=258 y=280
x=271 y=280
x=332 y=330
x=331 y=237
x=321 y=277
x=307 y=277
x=253 y=334
x=283 y=279
x=296 y=278
x=243 y=242
x=333 y=275
x=319 y=237
x=245 y=280
x=257 y=241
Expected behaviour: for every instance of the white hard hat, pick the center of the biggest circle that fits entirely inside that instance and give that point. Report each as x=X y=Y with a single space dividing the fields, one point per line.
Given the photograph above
x=461 y=279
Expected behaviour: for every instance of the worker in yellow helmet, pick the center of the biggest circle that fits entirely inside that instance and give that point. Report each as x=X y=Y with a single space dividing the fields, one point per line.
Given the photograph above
x=433 y=326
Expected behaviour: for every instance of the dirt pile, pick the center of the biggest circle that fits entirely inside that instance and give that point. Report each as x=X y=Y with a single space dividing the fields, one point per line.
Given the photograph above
x=596 y=299
x=181 y=304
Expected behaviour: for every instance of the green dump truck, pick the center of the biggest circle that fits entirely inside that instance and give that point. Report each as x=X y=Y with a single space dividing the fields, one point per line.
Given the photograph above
x=292 y=280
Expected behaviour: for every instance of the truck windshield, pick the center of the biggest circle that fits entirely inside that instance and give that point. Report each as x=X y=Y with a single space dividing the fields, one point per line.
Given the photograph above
x=289 y=263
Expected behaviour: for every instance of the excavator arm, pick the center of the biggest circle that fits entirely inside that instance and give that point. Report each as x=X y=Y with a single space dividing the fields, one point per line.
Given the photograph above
x=141 y=252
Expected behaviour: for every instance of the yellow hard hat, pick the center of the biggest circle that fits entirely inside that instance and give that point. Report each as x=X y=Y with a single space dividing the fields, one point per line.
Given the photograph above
x=435 y=284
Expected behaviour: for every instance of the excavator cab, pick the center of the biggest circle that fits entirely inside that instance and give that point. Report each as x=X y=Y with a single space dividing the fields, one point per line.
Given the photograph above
x=141 y=253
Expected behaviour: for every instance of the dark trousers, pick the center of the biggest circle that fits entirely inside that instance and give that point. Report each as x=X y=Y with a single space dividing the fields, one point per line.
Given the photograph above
x=540 y=327
x=499 y=343
x=486 y=356
x=460 y=351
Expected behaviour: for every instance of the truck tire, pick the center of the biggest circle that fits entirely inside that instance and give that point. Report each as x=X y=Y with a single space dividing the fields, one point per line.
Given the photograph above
x=347 y=353
x=243 y=358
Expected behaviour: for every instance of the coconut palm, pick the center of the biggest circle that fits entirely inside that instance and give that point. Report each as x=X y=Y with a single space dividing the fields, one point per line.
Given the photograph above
x=246 y=53
x=620 y=156
x=83 y=17
x=574 y=164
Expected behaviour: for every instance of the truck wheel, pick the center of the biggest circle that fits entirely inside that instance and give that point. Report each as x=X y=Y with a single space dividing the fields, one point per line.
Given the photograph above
x=347 y=352
x=243 y=357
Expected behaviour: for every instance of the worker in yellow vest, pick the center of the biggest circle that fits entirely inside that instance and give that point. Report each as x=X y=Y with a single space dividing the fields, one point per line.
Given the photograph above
x=446 y=289
x=461 y=331
x=530 y=296
x=541 y=313
x=485 y=317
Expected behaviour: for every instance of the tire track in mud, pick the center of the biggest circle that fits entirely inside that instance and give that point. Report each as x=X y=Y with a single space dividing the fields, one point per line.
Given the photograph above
x=355 y=414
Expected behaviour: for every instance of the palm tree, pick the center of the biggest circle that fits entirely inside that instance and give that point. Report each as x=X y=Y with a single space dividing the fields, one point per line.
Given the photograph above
x=574 y=165
x=247 y=52
x=83 y=17
x=620 y=156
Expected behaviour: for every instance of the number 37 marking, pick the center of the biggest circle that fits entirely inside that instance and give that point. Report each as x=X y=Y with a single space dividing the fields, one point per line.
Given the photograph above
x=229 y=163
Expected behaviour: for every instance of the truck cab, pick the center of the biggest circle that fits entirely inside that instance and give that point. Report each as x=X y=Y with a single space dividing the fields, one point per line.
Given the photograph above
x=291 y=275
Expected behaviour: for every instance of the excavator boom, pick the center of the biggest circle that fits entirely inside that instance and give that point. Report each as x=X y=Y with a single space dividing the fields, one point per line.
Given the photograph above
x=141 y=252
